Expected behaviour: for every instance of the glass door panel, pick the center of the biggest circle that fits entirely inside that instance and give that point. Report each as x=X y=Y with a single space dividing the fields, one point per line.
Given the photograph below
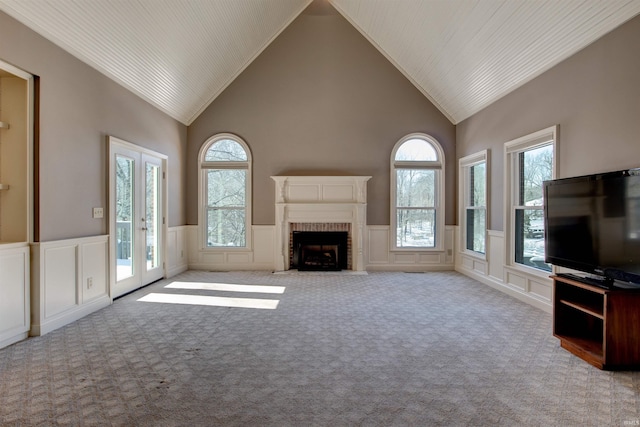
x=152 y=228
x=137 y=209
x=151 y=217
x=125 y=213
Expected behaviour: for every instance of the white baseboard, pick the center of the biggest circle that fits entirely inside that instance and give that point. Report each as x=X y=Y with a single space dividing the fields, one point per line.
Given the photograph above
x=13 y=339
x=69 y=316
x=502 y=287
x=491 y=270
x=175 y=270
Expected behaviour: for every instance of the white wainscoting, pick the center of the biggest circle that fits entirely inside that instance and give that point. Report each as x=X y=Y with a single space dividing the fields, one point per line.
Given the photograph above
x=380 y=257
x=259 y=257
x=69 y=281
x=14 y=293
x=534 y=289
x=177 y=250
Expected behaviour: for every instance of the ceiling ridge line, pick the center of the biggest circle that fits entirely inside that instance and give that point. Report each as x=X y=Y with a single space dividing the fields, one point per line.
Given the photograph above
x=394 y=63
x=244 y=66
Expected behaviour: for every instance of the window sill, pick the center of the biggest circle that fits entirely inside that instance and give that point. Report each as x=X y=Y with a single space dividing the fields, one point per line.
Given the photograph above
x=225 y=249
x=416 y=249
x=535 y=272
x=475 y=255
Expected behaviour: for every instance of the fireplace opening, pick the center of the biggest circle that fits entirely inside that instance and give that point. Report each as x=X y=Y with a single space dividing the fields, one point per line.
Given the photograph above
x=320 y=250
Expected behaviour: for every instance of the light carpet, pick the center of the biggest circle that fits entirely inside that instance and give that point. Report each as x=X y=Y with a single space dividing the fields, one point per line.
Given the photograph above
x=383 y=349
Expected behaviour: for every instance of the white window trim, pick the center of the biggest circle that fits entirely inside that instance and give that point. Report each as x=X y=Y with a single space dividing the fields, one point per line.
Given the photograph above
x=440 y=199
x=202 y=168
x=465 y=163
x=511 y=148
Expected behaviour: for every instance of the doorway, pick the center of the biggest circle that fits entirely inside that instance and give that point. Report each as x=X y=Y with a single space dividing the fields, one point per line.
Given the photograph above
x=17 y=139
x=137 y=214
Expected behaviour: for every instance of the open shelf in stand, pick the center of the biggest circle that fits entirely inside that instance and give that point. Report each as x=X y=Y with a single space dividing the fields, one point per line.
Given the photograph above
x=590 y=309
x=596 y=324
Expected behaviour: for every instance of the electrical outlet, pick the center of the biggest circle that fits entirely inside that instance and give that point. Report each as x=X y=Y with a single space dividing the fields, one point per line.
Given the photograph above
x=89 y=282
x=98 y=212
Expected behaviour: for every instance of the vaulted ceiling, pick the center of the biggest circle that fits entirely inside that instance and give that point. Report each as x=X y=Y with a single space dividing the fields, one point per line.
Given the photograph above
x=462 y=54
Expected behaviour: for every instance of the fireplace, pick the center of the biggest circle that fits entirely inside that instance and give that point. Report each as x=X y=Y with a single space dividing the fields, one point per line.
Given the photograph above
x=319 y=250
x=321 y=204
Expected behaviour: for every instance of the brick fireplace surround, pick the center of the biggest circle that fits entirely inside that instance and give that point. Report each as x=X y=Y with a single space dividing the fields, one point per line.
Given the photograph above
x=322 y=227
x=320 y=203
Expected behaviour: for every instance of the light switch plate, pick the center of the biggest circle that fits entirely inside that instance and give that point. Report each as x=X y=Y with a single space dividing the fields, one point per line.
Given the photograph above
x=98 y=212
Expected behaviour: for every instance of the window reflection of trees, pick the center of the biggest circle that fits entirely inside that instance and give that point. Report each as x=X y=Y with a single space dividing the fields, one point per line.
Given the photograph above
x=417 y=167
x=226 y=207
x=534 y=167
x=226 y=164
x=476 y=208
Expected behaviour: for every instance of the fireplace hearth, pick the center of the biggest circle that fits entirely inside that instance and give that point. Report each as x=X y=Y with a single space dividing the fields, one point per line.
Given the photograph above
x=320 y=250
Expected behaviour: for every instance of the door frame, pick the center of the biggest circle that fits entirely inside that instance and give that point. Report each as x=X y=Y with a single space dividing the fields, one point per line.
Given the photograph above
x=32 y=232
x=113 y=143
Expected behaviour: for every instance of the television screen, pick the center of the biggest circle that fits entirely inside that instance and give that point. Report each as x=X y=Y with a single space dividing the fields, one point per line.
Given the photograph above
x=592 y=224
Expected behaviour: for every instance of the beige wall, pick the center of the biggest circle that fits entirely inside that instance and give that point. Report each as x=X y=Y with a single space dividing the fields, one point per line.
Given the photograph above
x=595 y=98
x=78 y=108
x=320 y=99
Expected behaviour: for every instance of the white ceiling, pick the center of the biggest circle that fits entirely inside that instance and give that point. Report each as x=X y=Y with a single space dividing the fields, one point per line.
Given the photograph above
x=462 y=54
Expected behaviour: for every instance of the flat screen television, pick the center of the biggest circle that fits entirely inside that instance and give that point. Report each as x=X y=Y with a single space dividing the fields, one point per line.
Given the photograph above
x=592 y=224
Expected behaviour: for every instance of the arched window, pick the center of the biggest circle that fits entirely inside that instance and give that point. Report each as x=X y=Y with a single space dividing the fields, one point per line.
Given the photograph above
x=417 y=193
x=225 y=192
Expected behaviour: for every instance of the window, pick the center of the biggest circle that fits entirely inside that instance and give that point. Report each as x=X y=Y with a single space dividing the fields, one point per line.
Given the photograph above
x=473 y=190
x=530 y=162
x=225 y=192
x=417 y=193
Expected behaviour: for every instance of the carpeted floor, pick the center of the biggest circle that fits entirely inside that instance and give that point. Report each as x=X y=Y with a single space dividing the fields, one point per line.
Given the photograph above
x=383 y=349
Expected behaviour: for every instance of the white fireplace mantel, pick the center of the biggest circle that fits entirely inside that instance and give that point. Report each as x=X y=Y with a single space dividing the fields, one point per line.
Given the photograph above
x=320 y=199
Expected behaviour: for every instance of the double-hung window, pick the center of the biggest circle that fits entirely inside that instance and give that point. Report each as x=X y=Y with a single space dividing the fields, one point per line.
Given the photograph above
x=473 y=189
x=225 y=192
x=417 y=193
x=530 y=162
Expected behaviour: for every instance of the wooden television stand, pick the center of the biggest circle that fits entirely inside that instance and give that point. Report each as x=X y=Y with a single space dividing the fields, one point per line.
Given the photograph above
x=601 y=326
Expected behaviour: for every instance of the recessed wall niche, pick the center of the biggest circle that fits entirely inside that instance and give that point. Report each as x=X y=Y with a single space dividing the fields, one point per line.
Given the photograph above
x=16 y=189
x=14 y=163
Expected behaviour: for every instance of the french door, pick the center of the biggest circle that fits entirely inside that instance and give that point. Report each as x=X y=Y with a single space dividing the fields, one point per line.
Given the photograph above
x=136 y=207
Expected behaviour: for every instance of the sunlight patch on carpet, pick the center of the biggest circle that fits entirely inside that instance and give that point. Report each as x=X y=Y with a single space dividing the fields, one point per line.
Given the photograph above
x=267 y=304
x=227 y=287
